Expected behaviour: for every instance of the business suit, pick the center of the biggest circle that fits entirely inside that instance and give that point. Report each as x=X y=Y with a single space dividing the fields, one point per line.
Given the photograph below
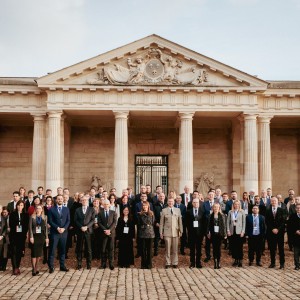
x=28 y=203
x=195 y=233
x=11 y=206
x=17 y=239
x=294 y=226
x=56 y=220
x=171 y=229
x=186 y=198
x=276 y=240
x=3 y=230
x=108 y=241
x=184 y=237
x=84 y=217
x=256 y=236
x=236 y=226
x=207 y=207
x=69 y=204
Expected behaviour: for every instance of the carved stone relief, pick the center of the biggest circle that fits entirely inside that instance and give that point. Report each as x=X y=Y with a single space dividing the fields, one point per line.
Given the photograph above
x=152 y=68
x=204 y=183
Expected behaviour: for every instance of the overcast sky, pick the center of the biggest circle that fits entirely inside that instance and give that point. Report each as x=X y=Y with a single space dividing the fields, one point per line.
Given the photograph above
x=260 y=37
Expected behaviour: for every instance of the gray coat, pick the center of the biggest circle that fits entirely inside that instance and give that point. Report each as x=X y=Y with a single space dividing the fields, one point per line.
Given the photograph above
x=240 y=222
x=146 y=226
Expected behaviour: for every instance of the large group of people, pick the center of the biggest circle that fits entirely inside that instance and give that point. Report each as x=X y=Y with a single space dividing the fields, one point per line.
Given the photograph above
x=104 y=226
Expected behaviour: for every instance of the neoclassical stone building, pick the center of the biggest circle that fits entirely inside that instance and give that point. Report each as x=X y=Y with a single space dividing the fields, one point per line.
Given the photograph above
x=149 y=112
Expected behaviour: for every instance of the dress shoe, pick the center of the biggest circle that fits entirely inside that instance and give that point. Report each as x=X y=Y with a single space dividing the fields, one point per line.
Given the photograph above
x=235 y=263
x=167 y=266
x=51 y=270
x=207 y=259
x=102 y=266
x=259 y=264
x=64 y=269
x=297 y=268
x=192 y=266
x=272 y=266
x=88 y=267
x=198 y=266
x=78 y=267
x=281 y=266
x=250 y=263
x=14 y=272
x=240 y=263
x=37 y=272
x=111 y=267
x=175 y=267
x=33 y=273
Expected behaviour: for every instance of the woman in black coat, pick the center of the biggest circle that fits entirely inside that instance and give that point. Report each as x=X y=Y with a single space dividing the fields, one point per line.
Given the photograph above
x=125 y=234
x=18 y=224
x=216 y=232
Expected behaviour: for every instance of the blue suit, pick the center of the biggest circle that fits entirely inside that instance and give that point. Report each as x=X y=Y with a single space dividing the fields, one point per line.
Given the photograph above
x=61 y=220
x=249 y=225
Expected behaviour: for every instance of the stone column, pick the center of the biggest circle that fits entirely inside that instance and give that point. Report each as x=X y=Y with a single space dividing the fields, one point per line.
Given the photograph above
x=62 y=150
x=53 y=161
x=250 y=153
x=186 y=150
x=38 y=151
x=264 y=152
x=121 y=151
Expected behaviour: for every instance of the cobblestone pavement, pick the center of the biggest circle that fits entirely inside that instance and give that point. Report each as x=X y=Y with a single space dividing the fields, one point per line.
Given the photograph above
x=182 y=283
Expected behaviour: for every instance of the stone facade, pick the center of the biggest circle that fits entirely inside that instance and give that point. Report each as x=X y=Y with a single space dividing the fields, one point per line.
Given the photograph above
x=219 y=126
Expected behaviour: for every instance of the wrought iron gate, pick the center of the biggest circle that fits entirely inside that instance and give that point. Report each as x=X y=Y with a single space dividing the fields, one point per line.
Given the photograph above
x=153 y=170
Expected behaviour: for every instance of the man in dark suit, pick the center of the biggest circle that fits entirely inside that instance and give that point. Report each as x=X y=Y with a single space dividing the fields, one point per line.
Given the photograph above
x=12 y=205
x=84 y=220
x=184 y=237
x=40 y=194
x=29 y=200
x=207 y=208
x=275 y=221
x=107 y=220
x=186 y=196
x=158 y=207
x=255 y=231
x=196 y=224
x=294 y=227
x=59 y=220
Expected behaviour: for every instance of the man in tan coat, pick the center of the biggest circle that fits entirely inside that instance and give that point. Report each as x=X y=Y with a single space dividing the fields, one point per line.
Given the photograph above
x=170 y=230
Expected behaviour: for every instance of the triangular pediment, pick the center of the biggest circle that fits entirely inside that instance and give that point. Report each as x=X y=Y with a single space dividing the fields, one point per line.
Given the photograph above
x=151 y=61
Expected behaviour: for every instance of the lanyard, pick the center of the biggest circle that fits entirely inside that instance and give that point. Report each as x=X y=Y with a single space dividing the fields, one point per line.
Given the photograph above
x=235 y=214
x=255 y=221
x=38 y=220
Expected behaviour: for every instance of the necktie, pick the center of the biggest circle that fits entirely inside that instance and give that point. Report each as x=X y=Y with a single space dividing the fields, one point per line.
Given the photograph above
x=196 y=212
x=172 y=211
x=59 y=210
x=84 y=210
x=106 y=216
x=274 y=213
x=186 y=200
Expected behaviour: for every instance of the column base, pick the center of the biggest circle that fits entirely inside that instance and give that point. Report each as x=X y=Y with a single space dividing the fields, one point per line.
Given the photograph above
x=119 y=185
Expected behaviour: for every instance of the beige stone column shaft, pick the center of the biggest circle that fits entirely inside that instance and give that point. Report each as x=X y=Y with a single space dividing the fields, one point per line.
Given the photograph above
x=38 y=151
x=186 y=151
x=53 y=162
x=121 y=151
x=62 y=150
x=250 y=154
x=264 y=152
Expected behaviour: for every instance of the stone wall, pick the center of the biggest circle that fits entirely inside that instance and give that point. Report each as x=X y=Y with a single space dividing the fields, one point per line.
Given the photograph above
x=15 y=160
x=285 y=152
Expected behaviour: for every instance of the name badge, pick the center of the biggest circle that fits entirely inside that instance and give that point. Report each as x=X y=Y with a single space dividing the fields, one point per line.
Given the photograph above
x=216 y=229
x=38 y=229
x=19 y=228
x=195 y=224
x=234 y=222
x=246 y=211
x=96 y=220
x=126 y=230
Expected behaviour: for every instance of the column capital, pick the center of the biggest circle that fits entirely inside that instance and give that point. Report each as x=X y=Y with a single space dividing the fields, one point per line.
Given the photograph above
x=248 y=116
x=38 y=116
x=264 y=118
x=55 y=114
x=121 y=114
x=186 y=115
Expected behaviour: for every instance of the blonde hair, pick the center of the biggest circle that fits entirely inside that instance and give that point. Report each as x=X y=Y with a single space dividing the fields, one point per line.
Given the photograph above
x=236 y=201
x=217 y=204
